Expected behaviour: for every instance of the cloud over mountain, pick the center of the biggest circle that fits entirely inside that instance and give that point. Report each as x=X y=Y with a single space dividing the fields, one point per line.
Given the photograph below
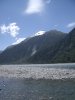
x=70 y=25
x=11 y=29
x=40 y=33
x=18 y=40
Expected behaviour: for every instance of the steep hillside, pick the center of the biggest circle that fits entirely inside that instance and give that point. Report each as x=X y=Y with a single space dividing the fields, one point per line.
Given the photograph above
x=37 y=49
x=66 y=52
x=0 y=52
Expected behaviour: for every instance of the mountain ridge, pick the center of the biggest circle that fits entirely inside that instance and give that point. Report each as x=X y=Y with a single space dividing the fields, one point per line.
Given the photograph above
x=66 y=52
x=49 y=47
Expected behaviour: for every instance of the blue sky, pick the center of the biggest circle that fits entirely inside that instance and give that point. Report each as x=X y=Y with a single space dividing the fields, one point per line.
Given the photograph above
x=20 y=19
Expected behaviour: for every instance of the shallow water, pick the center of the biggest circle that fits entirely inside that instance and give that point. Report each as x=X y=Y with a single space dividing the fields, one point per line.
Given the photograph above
x=29 y=89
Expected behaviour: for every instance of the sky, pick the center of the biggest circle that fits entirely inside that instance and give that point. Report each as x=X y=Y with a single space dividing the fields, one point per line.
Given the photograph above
x=20 y=19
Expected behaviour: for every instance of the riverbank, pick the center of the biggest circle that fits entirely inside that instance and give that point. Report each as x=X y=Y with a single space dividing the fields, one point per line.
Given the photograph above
x=38 y=71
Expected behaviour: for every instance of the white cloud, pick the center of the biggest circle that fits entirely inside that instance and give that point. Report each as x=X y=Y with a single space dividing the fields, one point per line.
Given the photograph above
x=36 y=6
x=70 y=25
x=3 y=29
x=12 y=29
x=40 y=33
x=56 y=25
x=18 y=40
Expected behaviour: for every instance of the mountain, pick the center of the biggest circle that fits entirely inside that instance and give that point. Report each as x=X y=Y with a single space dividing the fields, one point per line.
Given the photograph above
x=40 y=33
x=40 y=48
x=0 y=52
x=66 y=52
x=49 y=49
x=45 y=47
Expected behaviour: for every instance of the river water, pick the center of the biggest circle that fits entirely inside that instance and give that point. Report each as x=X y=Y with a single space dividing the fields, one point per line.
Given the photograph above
x=37 y=82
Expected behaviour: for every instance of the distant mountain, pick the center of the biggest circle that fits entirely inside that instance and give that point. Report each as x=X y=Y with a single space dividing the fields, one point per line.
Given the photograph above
x=52 y=40
x=38 y=49
x=45 y=47
x=0 y=52
x=66 y=51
